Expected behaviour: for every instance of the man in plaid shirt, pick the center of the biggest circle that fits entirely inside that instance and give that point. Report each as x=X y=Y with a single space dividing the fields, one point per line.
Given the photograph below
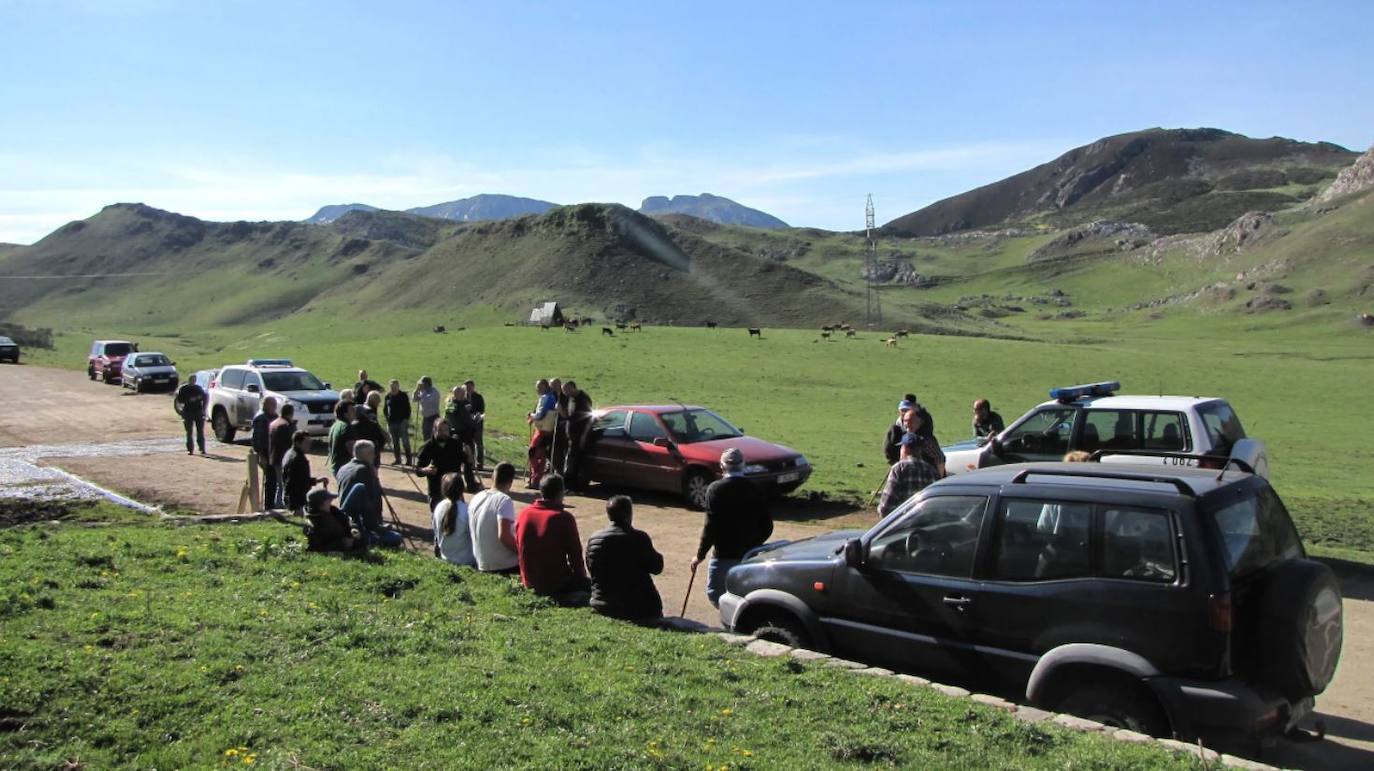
x=909 y=475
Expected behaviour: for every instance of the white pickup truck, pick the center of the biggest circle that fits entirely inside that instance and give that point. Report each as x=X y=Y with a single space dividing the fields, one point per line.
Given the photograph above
x=1145 y=430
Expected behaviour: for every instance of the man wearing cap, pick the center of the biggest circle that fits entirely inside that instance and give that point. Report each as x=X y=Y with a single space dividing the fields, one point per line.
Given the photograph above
x=326 y=527
x=908 y=476
x=737 y=520
x=985 y=421
x=892 y=442
x=428 y=397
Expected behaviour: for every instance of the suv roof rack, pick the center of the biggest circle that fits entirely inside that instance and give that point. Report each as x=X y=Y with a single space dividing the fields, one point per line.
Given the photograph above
x=1084 y=473
x=1223 y=460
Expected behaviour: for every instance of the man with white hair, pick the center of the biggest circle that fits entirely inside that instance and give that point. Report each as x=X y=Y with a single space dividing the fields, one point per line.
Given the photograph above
x=737 y=520
x=361 y=495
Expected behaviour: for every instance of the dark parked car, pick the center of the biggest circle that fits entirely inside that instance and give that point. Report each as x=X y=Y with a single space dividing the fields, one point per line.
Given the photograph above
x=676 y=449
x=1170 y=601
x=149 y=371
x=9 y=350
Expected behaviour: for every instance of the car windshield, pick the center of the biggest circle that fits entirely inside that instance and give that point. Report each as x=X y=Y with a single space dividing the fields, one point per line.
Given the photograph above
x=152 y=360
x=691 y=426
x=118 y=349
x=291 y=381
x=6 y=341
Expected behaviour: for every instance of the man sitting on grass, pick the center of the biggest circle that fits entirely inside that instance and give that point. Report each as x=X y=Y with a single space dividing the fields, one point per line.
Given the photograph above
x=362 y=495
x=492 y=520
x=327 y=528
x=296 y=478
x=550 y=548
x=622 y=562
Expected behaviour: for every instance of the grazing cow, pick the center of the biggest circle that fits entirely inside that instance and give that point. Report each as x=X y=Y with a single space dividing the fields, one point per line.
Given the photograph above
x=850 y=333
x=901 y=333
x=891 y=342
x=607 y=331
x=846 y=328
x=825 y=332
x=587 y=322
x=635 y=327
x=510 y=323
x=620 y=325
x=756 y=332
x=439 y=330
x=710 y=325
x=544 y=327
x=570 y=326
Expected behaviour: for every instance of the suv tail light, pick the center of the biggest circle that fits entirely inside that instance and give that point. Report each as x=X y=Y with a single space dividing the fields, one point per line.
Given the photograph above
x=1219 y=614
x=1211 y=461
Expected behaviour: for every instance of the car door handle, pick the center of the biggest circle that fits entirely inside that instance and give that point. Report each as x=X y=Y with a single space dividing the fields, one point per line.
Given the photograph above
x=957 y=602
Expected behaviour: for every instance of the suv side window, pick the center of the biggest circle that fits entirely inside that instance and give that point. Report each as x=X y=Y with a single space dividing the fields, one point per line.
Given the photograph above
x=1109 y=430
x=232 y=378
x=1166 y=431
x=251 y=379
x=1223 y=427
x=937 y=537
x=1046 y=432
x=643 y=427
x=1137 y=543
x=1040 y=540
x=1256 y=532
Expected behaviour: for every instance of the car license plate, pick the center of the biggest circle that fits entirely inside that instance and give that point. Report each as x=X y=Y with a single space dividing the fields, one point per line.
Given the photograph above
x=790 y=476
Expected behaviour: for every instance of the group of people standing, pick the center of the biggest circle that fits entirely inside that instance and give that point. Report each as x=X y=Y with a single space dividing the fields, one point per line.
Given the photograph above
x=914 y=455
x=560 y=425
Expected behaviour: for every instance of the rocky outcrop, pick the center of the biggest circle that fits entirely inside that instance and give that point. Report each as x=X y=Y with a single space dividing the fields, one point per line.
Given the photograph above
x=1122 y=236
x=1356 y=177
x=897 y=271
x=1246 y=230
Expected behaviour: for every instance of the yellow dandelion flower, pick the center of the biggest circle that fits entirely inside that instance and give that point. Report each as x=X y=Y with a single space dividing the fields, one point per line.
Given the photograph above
x=249 y=760
x=231 y=752
x=727 y=712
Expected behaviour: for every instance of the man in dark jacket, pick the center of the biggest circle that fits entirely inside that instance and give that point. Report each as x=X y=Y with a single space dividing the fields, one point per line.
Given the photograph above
x=341 y=436
x=439 y=456
x=622 y=563
x=362 y=495
x=985 y=421
x=279 y=434
x=296 y=478
x=477 y=405
x=363 y=387
x=737 y=520
x=579 y=425
x=396 y=405
x=262 y=446
x=365 y=426
x=191 y=398
x=327 y=528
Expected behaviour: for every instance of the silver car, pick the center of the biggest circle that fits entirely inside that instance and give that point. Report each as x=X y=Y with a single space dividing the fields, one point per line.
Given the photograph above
x=149 y=372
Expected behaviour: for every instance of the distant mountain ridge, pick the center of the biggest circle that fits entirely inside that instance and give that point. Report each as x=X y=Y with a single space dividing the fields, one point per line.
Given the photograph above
x=477 y=208
x=712 y=208
x=1172 y=180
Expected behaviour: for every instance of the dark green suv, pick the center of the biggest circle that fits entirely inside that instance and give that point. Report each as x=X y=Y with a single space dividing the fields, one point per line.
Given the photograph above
x=1173 y=602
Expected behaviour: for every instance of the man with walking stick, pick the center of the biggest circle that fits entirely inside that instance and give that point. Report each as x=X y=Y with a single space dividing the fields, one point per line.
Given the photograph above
x=737 y=520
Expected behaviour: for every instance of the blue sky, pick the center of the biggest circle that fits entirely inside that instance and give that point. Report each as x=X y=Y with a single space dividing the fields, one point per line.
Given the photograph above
x=267 y=110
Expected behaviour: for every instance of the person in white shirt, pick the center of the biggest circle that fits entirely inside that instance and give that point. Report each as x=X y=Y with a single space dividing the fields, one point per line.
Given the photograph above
x=492 y=519
x=452 y=538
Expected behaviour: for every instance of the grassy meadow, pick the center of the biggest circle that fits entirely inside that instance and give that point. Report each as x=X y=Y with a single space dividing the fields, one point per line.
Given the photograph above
x=1298 y=389
x=155 y=646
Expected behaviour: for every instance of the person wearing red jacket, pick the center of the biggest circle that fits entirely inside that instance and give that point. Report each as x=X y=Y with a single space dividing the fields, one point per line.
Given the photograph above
x=550 y=548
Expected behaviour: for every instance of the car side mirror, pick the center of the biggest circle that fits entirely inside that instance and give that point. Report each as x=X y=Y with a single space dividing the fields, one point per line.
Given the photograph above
x=328 y=387
x=995 y=445
x=253 y=388
x=854 y=553
x=662 y=441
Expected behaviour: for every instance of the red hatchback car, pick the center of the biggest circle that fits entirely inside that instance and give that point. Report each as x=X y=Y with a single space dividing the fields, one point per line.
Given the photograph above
x=676 y=449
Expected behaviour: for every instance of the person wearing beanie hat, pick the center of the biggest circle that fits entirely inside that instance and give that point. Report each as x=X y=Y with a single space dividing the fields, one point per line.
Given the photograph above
x=737 y=520
x=908 y=476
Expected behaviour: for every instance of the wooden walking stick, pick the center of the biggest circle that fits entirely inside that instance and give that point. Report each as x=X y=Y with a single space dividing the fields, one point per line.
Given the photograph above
x=690 y=579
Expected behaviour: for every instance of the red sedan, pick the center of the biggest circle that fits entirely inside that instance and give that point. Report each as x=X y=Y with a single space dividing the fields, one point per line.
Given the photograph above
x=677 y=449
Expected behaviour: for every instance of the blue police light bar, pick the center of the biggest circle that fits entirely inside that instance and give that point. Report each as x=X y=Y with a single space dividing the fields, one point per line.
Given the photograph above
x=1073 y=393
x=270 y=363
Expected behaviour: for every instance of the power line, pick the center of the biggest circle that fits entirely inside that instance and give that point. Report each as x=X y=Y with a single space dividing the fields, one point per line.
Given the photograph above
x=873 y=303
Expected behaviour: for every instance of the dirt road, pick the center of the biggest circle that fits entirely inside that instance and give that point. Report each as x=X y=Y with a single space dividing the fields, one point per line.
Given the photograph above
x=51 y=407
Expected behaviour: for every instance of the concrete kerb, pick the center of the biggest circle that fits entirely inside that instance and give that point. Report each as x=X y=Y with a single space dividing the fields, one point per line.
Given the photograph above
x=1023 y=713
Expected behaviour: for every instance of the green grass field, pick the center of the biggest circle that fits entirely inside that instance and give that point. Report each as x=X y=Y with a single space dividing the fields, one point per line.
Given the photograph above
x=154 y=646
x=832 y=400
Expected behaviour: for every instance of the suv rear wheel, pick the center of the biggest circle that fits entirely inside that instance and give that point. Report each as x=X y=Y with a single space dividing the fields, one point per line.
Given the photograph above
x=90 y=372
x=1291 y=631
x=779 y=627
x=224 y=430
x=1118 y=703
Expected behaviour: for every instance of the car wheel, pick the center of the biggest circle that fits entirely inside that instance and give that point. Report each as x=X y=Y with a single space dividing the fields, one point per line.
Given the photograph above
x=224 y=431
x=694 y=488
x=782 y=628
x=1119 y=705
x=90 y=372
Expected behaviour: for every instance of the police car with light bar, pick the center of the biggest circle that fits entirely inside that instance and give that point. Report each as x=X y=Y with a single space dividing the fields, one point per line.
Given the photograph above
x=1199 y=431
